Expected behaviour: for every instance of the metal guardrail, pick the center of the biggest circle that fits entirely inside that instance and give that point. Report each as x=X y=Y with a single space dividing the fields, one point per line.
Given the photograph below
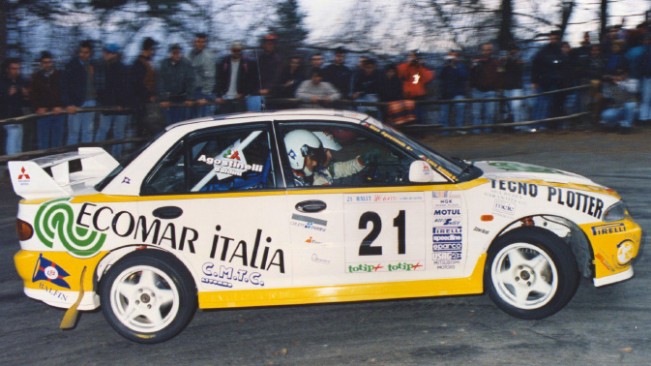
x=293 y=102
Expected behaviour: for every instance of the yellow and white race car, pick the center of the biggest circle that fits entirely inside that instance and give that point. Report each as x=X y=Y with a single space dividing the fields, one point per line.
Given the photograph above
x=302 y=207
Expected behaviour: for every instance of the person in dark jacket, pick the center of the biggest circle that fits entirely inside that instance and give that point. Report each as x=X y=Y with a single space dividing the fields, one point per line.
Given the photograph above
x=13 y=98
x=390 y=84
x=485 y=80
x=549 y=72
x=453 y=82
x=46 y=99
x=269 y=66
x=338 y=74
x=236 y=79
x=291 y=77
x=367 y=87
x=78 y=91
x=142 y=82
x=111 y=80
x=514 y=83
x=176 y=85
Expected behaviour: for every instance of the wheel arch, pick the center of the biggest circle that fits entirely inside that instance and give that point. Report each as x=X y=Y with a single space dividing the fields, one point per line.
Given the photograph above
x=566 y=230
x=119 y=254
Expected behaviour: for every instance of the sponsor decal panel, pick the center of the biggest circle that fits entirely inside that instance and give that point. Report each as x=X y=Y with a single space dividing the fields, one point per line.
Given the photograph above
x=55 y=222
x=308 y=222
x=447 y=232
x=46 y=270
x=383 y=198
x=576 y=200
x=385 y=267
x=228 y=277
x=608 y=229
x=519 y=188
x=579 y=201
x=447 y=246
x=23 y=177
x=257 y=255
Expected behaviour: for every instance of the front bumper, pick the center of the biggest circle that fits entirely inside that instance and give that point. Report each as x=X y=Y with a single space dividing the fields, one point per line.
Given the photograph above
x=614 y=246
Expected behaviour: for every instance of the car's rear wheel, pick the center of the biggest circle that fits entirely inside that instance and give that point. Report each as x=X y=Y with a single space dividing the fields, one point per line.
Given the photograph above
x=531 y=273
x=147 y=297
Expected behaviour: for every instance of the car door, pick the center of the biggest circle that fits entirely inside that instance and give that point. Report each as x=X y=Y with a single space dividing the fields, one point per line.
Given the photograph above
x=215 y=201
x=365 y=222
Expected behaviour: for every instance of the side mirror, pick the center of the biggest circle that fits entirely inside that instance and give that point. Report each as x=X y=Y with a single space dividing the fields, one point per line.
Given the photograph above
x=421 y=172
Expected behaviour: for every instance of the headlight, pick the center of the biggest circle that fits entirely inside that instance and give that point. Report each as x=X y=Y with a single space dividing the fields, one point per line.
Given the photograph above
x=616 y=212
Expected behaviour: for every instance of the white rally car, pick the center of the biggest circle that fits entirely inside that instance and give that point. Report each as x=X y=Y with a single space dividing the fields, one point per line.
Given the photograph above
x=300 y=207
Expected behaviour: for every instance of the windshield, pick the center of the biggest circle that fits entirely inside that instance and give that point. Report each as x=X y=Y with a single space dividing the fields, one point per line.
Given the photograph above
x=455 y=169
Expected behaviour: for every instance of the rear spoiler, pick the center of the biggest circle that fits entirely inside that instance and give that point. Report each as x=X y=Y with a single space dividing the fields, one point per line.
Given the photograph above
x=50 y=176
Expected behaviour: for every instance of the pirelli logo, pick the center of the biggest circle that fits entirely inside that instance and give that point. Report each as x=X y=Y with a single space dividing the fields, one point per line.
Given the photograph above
x=608 y=229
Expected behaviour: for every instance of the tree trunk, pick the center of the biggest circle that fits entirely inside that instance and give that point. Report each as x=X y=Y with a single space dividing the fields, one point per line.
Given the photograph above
x=505 y=36
x=603 y=20
x=4 y=14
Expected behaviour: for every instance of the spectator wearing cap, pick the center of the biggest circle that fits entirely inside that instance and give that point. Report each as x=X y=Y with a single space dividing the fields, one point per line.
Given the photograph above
x=142 y=82
x=46 y=100
x=338 y=74
x=269 y=66
x=453 y=83
x=175 y=85
x=367 y=87
x=315 y=93
x=13 y=97
x=78 y=91
x=203 y=64
x=236 y=79
x=111 y=83
x=415 y=77
x=485 y=80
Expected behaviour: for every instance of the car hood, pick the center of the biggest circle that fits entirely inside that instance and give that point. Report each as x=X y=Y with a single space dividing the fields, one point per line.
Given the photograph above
x=506 y=170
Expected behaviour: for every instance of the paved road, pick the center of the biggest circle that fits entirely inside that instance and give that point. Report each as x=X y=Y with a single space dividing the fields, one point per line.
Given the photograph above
x=605 y=326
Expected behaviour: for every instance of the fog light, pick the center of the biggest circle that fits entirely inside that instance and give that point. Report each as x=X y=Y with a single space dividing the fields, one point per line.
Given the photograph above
x=625 y=252
x=24 y=230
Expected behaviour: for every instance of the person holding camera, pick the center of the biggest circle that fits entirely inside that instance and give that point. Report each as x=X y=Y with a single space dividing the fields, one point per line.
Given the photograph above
x=415 y=76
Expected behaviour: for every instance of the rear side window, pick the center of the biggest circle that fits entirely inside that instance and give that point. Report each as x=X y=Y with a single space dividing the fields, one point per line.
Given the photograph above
x=220 y=160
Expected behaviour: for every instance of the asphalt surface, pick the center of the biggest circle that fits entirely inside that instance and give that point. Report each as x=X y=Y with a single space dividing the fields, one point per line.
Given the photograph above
x=605 y=326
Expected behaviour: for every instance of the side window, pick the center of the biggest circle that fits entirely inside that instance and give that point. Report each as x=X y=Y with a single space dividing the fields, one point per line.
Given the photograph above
x=342 y=156
x=216 y=161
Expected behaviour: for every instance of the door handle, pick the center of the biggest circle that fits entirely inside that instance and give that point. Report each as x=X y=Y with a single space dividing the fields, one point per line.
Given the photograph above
x=168 y=212
x=311 y=206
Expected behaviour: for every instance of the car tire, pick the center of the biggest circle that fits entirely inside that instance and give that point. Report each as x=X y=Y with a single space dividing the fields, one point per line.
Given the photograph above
x=531 y=273
x=148 y=297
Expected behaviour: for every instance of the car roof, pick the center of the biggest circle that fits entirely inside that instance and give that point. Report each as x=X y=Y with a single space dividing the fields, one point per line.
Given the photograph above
x=236 y=118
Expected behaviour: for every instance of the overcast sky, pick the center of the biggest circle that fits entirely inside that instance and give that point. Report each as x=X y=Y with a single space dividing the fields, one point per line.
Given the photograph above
x=325 y=15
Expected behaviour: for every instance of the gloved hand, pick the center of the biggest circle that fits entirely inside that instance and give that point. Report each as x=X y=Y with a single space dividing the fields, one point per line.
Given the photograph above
x=370 y=156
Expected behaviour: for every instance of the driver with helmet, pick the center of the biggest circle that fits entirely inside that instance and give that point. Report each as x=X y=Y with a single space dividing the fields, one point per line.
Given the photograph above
x=310 y=157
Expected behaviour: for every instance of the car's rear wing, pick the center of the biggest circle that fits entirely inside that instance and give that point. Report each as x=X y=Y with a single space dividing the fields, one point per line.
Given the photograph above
x=51 y=176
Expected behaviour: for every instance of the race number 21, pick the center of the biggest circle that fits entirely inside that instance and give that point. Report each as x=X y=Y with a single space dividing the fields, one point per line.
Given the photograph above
x=372 y=218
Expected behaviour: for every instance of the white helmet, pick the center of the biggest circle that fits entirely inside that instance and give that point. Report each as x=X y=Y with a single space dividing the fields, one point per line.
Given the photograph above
x=328 y=141
x=302 y=143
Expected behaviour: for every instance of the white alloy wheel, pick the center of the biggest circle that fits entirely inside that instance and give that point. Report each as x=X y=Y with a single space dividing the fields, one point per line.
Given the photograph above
x=148 y=296
x=524 y=276
x=144 y=299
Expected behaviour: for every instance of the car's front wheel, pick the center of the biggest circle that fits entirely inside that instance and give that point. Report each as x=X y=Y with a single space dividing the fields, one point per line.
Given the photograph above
x=147 y=297
x=531 y=273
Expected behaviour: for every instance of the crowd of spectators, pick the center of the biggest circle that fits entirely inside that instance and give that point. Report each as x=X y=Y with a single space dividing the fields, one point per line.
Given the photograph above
x=196 y=83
